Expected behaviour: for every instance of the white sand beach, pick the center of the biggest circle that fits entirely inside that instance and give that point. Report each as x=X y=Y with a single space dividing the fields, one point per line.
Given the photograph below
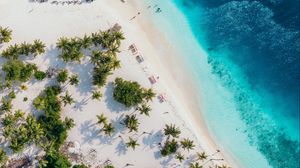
x=49 y=22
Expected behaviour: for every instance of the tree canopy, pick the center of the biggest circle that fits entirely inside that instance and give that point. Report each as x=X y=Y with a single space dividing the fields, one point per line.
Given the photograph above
x=129 y=93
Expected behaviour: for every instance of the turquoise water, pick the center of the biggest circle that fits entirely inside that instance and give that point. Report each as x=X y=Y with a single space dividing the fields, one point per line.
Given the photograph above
x=245 y=57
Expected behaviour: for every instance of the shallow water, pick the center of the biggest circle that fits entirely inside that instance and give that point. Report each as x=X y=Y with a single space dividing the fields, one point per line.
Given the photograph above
x=248 y=73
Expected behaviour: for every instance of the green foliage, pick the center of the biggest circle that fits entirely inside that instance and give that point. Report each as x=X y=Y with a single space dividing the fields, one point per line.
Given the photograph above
x=21 y=131
x=100 y=76
x=38 y=47
x=187 y=144
x=17 y=71
x=27 y=49
x=201 y=156
x=70 y=49
x=132 y=143
x=5 y=35
x=6 y=105
x=62 y=76
x=56 y=160
x=96 y=95
x=131 y=122
x=3 y=157
x=12 y=95
x=40 y=75
x=179 y=157
x=195 y=165
x=172 y=130
x=101 y=119
x=80 y=166
x=69 y=123
x=74 y=79
x=55 y=129
x=67 y=99
x=169 y=147
x=144 y=109
x=108 y=129
x=109 y=166
x=129 y=93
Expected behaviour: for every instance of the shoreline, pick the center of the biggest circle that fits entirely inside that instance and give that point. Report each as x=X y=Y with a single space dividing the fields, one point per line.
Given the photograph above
x=183 y=93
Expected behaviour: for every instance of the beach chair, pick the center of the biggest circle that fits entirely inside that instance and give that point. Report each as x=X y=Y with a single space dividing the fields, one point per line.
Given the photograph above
x=162 y=98
x=152 y=80
x=139 y=59
x=133 y=49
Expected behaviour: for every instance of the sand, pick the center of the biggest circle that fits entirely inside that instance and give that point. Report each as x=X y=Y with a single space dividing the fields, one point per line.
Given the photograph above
x=48 y=22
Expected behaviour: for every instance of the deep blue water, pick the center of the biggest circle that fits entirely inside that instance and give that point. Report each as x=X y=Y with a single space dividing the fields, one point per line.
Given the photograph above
x=254 y=48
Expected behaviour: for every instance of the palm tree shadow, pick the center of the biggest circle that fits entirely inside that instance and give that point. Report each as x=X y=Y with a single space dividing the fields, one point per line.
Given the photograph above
x=153 y=139
x=112 y=105
x=121 y=148
x=89 y=131
x=165 y=162
x=51 y=55
x=105 y=139
x=79 y=105
x=85 y=76
x=117 y=122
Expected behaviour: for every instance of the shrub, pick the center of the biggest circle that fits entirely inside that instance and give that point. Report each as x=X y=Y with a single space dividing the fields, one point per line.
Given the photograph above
x=62 y=76
x=170 y=147
x=56 y=160
x=39 y=75
x=15 y=70
x=129 y=93
x=3 y=157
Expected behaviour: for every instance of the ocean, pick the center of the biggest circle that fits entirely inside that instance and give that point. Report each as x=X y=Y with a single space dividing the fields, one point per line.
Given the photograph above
x=245 y=55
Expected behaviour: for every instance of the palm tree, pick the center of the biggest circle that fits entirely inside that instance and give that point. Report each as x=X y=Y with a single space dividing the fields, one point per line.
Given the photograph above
x=144 y=109
x=69 y=123
x=115 y=64
x=3 y=157
x=101 y=119
x=195 y=165
x=96 y=56
x=6 y=105
x=108 y=129
x=171 y=130
x=187 y=144
x=132 y=143
x=149 y=94
x=38 y=47
x=5 y=35
x=34 y=129
x=74 y=80
x=86 y=41
x=118 y=36
x=67 y=99
x=201 y=156
x=62 y=43
x=131 y=123
x=96 y=95
x=95 y=38
x=179 y=157
x=169 y=147
x=25 y=49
